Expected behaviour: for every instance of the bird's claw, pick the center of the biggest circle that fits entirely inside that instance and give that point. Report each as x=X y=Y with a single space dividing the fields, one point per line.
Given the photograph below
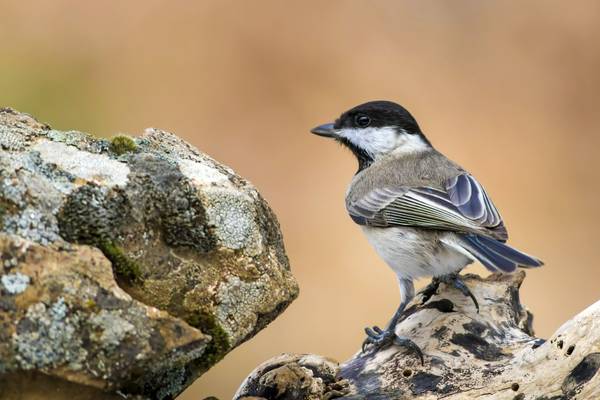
x=380 y=339
x=377 y=338
x=464 y=289
x=452 y=279
x=429 y=290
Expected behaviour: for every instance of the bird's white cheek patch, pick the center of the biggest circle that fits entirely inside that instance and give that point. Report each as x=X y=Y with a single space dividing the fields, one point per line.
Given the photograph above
x=375 y=141
x=379 y=141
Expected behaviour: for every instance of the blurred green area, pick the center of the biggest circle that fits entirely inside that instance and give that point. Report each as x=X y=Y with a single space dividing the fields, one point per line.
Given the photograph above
x=58 y=90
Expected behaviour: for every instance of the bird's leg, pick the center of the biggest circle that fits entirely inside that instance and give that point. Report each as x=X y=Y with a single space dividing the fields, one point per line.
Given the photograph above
x=379 y=338
x=453 y=279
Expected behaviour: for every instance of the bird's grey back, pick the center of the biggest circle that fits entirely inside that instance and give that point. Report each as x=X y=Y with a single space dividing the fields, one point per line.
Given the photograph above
x=419 y=169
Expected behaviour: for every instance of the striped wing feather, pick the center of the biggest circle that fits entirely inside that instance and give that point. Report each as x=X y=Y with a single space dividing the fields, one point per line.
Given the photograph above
x=463 y=206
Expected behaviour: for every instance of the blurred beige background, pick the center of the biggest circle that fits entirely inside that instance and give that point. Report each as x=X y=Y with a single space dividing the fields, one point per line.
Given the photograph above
x=509 y=89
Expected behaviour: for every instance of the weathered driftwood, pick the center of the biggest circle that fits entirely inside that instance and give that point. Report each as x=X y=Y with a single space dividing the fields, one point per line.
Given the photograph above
x=468 y=355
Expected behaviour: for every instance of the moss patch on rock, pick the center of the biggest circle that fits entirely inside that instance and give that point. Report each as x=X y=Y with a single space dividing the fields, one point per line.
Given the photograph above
x=218 y=346
x=123 y=266
x=122 y=144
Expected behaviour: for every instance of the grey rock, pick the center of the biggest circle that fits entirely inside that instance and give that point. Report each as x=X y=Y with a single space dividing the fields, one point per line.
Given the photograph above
x=15 y=283
x=131 y=264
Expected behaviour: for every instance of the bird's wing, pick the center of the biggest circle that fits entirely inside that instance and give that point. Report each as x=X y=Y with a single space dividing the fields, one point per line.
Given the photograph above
x=462 y=206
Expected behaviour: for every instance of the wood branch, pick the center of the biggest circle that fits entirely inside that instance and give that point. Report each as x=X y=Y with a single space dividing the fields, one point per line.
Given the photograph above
x=468 y=355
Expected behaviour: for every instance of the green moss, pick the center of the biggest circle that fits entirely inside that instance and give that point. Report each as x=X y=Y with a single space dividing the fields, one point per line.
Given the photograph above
x=218 y=346
x=122 y=144
x=122 y=265
x=90 y=303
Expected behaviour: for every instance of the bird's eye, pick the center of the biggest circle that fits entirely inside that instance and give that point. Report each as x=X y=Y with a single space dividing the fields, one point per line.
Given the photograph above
x=362 y=120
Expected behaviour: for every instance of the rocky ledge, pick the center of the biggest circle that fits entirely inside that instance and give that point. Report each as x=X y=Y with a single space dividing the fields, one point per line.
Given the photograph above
x=491 y=355
x=129 y=265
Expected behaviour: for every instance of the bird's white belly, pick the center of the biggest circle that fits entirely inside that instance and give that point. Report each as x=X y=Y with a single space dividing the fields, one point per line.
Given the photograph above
x=414 y=253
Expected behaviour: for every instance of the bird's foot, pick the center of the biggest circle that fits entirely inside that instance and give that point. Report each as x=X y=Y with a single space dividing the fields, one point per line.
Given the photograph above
x=379 y=339
x=429 y=290
x=451 y=279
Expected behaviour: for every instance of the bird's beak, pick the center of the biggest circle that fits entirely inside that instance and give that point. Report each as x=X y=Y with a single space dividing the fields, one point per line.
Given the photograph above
x=325 y=130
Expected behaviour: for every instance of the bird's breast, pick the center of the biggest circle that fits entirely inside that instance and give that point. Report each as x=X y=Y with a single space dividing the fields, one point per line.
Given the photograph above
x=413 y=253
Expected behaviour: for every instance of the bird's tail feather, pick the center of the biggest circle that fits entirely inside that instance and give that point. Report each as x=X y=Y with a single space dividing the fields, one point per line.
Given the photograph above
x=495 y=255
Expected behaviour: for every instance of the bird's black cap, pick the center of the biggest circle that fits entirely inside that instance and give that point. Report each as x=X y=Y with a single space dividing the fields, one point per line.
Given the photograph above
x=381 y=114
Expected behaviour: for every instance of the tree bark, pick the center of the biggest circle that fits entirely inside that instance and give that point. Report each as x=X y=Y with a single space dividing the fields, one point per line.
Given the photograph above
x=488 y=355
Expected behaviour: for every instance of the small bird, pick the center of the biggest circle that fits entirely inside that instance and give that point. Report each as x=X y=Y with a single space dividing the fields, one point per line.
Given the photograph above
x=424 y=214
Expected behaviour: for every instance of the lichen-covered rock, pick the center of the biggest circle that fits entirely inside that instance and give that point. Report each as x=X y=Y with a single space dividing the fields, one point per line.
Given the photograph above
x=490 y=355
x=70 y=317
x=129 y=264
